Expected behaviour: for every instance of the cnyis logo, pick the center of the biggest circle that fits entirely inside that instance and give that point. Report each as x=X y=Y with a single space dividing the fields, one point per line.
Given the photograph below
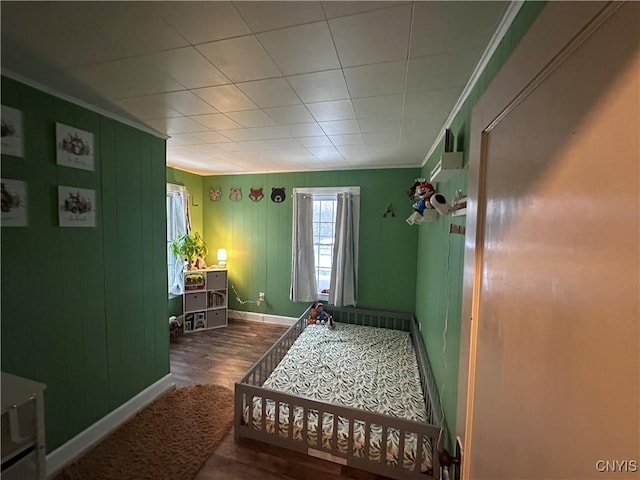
x=256 y=194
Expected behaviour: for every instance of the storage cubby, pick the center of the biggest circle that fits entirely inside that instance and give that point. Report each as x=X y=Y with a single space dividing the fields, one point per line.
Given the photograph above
x=205 y=300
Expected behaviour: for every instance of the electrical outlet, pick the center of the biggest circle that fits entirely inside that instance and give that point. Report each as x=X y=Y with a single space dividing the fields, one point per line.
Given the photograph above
x=261 y=296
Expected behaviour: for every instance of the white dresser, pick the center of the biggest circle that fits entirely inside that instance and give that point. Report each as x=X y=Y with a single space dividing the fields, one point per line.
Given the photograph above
x=23 y=443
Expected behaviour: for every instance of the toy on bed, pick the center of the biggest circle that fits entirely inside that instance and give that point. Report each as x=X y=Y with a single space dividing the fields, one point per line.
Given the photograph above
x=318 y=316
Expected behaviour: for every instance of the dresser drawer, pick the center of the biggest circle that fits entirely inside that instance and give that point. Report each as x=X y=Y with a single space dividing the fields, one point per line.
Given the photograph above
x=217 y=318
x=26 y=434
x=195 y=301
x=24 y=469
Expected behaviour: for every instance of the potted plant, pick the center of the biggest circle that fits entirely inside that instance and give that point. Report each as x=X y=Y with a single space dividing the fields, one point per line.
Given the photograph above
x=190 y=247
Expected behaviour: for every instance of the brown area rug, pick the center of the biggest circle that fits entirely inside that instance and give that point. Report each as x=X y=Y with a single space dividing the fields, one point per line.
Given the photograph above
x=170 y=439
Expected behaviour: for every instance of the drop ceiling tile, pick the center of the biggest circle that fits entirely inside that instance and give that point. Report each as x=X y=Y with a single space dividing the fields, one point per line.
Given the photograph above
x=216 y=121
x=349 y=139
x=275 y=92
x=441 y=71
x=201 y=22
x=210 y=137
x=289 y=115
x=148 y=107
x=172 y=126
x=334 y=110
x=226 y=98
x=251 y=118
x=378 y=36
x=340 y=127
x=263 y=16
x=354 y=153
x=378 y=79
x=379 y=124
x=240 y=59
x=324 y=152
x=440 y=27
x=182 y=139
x=305 y=130
x=125 y=79
x=386 y=105
x=392 y=138
x=240 y=135
x=267 y=133
x=188 y=67
x=319 y=141
x=320 y=86
x=186 y=103
x=342 y=9
x=302 y=49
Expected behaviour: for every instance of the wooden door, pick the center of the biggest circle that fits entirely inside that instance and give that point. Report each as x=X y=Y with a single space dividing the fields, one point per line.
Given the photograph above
x=550 y=382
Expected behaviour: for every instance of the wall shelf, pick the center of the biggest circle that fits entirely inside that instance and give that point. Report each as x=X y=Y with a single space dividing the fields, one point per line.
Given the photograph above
x=450 y=163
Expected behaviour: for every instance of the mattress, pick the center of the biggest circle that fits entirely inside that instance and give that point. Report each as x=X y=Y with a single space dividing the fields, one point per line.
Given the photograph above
x=368 y=368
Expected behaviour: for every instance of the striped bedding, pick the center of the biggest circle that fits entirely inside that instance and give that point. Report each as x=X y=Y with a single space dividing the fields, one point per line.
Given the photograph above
x=367 y=368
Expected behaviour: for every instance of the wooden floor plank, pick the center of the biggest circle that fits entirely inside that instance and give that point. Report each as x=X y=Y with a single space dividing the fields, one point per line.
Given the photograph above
x=223 y=356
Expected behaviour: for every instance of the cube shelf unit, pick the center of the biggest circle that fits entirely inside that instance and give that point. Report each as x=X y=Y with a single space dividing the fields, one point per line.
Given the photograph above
x=205 y=300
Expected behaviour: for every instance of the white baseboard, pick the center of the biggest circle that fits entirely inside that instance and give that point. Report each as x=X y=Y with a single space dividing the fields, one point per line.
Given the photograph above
x=262 y=317
x=86 y=439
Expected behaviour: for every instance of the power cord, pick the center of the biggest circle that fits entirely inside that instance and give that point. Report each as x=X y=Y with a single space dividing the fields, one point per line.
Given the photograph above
x=244 y=302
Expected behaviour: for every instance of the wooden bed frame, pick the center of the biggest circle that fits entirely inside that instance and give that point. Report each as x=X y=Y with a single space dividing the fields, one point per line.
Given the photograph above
x=249 y=387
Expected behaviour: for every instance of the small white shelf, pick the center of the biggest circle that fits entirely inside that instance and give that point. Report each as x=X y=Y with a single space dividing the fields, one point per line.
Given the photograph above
x=450 y=163
x=459 y=207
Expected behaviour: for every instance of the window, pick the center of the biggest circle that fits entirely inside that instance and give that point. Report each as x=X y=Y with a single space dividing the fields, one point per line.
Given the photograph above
x=324 y=220
x=177 y=224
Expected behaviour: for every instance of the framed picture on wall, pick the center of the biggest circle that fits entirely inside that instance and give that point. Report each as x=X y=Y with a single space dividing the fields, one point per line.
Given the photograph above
x=74 y=147
x=11 y=130
x=76 y=207
x=14 y=203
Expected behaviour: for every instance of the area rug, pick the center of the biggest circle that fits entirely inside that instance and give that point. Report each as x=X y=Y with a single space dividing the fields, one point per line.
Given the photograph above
x=170 y=439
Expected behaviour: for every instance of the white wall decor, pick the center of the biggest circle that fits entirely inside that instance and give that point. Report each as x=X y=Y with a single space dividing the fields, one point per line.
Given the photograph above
x=14 y=203
x=11 y=131
x=76 y=206
x=74 y=147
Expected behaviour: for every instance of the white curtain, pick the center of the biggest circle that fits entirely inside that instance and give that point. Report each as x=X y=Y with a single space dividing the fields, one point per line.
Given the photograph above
x=344 y=269
x=303 y=277
x=177 y=224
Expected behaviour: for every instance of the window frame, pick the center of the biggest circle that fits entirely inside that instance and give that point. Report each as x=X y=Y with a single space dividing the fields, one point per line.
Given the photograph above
x=171 y=187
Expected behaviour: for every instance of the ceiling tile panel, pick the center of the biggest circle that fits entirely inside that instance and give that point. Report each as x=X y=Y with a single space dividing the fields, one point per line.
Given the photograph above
x=263 y=16
x=379 y=36
x=240 y=135
x=419 y=105
x=251 y=118
x=441 y=71
x=305 y=130
x=324 y=152
x=379 y=124
x=340 y=127
x=226 y=98
x=319 y=141
x=378 y=79
x=382 y=138
x=275 y=92
x=320 y=86
x=188 y=67
x=302 y=49
x=148 y=107
x=201 y=22
x=186 y=103
x=240 y=59
x=387 y=105
x=267 y=133
x=181 y=139
x=334 y=110
x=290 y=114
x=210 y=137
x=349 y=139
x=216 y=121
x=342 y=9
x=175 y=125
x=441 y=27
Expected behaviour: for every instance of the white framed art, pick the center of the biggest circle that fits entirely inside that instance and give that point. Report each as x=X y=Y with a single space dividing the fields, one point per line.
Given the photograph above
x=11 y=132
x=74 y=147
x=76 y=207
x=13 y=194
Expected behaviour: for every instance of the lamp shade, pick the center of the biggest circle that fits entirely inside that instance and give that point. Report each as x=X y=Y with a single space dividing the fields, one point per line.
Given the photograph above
x=222 y=257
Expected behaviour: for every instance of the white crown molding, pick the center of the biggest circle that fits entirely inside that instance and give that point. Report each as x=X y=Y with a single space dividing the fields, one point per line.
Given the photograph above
x=262 y=317
x=506 y=21
x=74 y=448
x=81 y=103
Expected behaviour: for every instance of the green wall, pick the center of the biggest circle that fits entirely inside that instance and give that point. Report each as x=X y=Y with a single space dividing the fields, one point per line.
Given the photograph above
x=257 y=236
x=84 y=309
x=441 y=255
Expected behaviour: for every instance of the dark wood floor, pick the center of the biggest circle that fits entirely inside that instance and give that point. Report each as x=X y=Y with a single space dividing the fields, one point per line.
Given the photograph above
x=222 y=356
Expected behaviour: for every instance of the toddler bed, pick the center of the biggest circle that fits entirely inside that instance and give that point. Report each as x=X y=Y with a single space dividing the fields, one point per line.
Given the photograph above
x=360 y=395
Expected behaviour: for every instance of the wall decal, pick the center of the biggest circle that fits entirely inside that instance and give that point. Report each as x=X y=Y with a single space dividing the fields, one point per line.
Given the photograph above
x=278 y=194
x=76 y=207
x=11 y=131
x=14 y=203
x=256 y=194
x=215 y=194
x=74 y=147
x=236 y=194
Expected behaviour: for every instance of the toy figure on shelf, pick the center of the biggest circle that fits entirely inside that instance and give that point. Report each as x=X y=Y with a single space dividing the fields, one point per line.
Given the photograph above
x=199 y=263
